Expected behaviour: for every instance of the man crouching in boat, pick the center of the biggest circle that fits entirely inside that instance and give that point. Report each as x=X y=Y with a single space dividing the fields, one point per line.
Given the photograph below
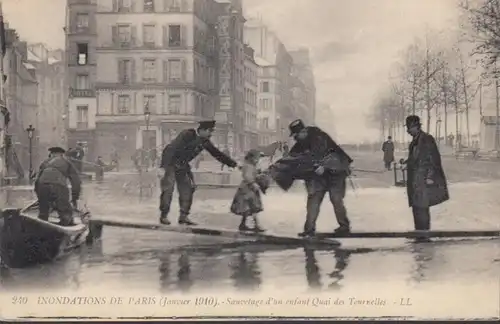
x=51 y=188
x=176 y=169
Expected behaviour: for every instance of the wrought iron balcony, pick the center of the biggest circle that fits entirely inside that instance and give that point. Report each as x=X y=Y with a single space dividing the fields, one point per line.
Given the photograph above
x=82 y=93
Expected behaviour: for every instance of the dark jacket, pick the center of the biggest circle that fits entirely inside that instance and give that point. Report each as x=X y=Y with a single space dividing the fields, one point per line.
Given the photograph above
x=318 y=149
x=186 y=146
x=388 y=149
x=424 y=162
x=58 y=170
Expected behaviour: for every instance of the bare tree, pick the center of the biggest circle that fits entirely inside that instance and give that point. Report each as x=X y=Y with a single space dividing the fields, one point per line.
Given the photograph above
x=484 y=20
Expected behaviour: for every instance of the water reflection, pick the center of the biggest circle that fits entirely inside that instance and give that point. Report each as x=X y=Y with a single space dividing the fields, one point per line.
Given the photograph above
x=423 y=254
x=313 y=271
x=341 y=262
x=61 y=274
x=245 y=271
x=184 y=281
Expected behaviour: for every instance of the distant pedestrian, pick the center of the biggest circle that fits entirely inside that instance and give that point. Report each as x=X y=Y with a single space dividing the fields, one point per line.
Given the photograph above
x=426 y=183
x=115 y=160
x=247 y=202
x=99 y=169
x=388 y=149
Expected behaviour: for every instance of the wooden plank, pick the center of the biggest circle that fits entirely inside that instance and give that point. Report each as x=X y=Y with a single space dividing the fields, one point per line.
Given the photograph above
x=414 y=234
x=196 y=230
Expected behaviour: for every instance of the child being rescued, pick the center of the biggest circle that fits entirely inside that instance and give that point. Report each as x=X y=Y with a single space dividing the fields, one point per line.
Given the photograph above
x=247 y=201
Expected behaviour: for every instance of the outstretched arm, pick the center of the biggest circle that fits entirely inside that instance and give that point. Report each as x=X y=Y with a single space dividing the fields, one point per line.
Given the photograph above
x=218 y=155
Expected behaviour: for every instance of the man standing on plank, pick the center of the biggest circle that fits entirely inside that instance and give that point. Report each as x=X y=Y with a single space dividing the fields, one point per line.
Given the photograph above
x=426 y=182
x=175 y=168
x=330 y=175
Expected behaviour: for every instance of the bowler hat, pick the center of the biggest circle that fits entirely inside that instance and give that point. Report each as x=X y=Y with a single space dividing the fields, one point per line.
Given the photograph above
x=207 y=124
x=57 y=149
x=412 y=120
x=296 y=126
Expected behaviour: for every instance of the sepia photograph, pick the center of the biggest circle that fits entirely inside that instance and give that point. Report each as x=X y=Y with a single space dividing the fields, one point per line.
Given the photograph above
x=249 y=159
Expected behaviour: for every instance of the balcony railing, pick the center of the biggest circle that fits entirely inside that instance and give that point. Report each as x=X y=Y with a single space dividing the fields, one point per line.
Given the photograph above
x=82 y=93
x=83 y=2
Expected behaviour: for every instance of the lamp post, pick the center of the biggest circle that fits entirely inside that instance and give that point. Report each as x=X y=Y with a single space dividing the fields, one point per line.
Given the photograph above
x=30 y=130
x=147 y=118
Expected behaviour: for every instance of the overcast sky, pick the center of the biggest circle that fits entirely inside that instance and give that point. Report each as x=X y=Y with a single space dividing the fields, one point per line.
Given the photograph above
x=354 y=42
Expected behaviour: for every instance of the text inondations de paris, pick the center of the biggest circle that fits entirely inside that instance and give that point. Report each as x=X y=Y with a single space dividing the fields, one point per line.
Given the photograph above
x=213 y=301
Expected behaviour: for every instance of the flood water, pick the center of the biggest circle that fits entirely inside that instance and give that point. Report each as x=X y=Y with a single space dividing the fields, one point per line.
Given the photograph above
x=442 y=277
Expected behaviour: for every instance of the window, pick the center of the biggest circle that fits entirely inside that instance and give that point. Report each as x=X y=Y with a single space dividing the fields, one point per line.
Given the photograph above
x=149 y=6
x=174 y=70
x=124 y=5
x=174 y=35
x=82 y=82
x=148 y=35
x=124 y=71
x=149 y=103
x=149 y=70
x=174 y=104
x=172 y=5
x=124 y=104
x=82 y=54
x=265 y=123
x=82 y=116
x=124 y=34
x=82 y=21
x=265 y=87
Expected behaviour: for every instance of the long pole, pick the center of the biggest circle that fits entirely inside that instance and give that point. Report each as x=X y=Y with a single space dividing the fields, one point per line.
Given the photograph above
x=3 y=125
x=31 y=160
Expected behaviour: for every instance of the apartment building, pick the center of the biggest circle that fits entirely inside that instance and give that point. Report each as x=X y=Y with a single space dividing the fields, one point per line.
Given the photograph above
x=156 y=57
x=49 y=67
x=21 y=100
x=251 y=71
x=305 y=89
x=230 y=114
x=274 y=95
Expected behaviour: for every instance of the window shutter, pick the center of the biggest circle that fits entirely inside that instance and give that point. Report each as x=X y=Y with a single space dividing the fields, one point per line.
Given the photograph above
x=133 y=71
x=114 y=35
x=183 y=70
x=133 y=36
x=165 y=71
x=165 y=36
x=115 y=5
x=120 y=71
x=184 y=35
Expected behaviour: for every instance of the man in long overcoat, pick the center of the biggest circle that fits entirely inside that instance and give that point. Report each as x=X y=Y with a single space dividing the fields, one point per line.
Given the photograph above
x=330 y=175
x=176 y=169
x=388 y=149
x=426 y=182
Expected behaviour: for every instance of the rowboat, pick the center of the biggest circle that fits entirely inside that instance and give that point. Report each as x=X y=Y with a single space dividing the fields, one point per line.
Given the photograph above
x=26 y=240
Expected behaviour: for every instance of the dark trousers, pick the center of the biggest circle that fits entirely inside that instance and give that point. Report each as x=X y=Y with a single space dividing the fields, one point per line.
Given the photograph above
x=387 y=165
x=421 y=218
x=56 y=196
x=185 y=187
x=315 y=195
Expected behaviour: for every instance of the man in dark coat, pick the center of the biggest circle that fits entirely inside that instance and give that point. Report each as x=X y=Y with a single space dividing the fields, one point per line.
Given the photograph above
x=320 y=145
x=51 y=188
x=426 y=182
x=175 y=165
x=388 y=149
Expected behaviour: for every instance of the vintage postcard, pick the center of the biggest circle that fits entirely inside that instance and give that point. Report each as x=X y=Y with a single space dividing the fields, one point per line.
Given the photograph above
x=236 y=159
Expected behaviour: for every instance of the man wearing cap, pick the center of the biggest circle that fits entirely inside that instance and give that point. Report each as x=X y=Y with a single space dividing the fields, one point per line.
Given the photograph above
x=327 y=178
x=176 y=169
x=51 y=188
x=426 y=182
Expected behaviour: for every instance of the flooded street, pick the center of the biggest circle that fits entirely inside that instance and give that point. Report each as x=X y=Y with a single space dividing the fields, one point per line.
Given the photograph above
x=168 y=263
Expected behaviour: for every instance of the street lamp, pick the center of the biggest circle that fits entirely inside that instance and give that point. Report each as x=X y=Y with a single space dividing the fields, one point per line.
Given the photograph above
x=30 y=130
x=147 y=118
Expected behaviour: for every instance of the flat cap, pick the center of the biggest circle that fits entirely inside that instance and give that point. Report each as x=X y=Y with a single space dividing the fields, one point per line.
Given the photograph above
x=57 y=149
x=207 y=124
